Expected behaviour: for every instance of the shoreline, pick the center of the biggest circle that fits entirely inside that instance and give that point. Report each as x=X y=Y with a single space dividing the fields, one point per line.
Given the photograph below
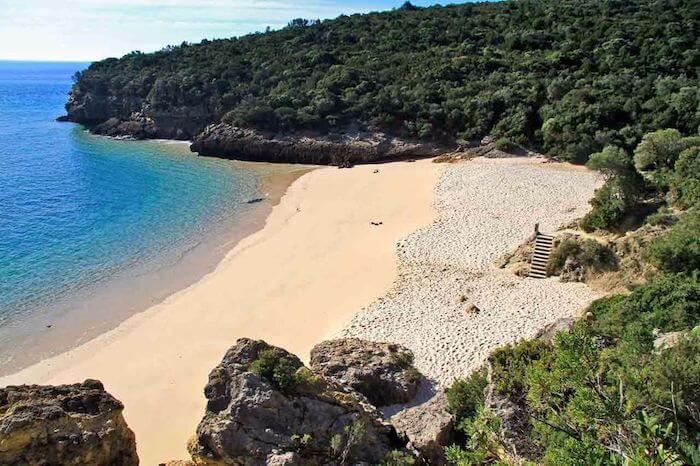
x=100 y=307
x=316 y=261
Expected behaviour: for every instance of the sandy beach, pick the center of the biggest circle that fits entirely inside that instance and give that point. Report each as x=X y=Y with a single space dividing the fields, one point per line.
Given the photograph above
x=314 y=264
x=486 y=208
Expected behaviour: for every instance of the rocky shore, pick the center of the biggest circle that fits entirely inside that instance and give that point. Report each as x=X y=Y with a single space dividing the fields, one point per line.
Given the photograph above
x=264 y=407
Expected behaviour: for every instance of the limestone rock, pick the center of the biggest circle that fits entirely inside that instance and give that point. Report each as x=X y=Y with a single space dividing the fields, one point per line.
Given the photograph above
x=67 y=424
x=256 y=415
x=382 y=372
x=342 y=149
x=428 y=427
x=562 y=324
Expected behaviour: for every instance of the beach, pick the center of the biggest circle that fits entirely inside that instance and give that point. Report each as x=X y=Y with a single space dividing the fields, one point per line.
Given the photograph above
x=316 y=262
x=394 y=252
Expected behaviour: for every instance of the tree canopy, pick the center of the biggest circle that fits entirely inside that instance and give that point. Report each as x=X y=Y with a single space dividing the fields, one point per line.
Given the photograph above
x=565 y=76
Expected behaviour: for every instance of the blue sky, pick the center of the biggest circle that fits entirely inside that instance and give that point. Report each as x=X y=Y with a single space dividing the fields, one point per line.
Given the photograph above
x=85 y=30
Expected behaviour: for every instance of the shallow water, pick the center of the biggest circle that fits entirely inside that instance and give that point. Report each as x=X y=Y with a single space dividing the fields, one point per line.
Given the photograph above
x=80 y=212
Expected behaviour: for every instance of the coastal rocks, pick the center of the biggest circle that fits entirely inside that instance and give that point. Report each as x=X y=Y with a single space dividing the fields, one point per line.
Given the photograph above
x=428 y=427
x=382 y=372
x=222 y=140
x=562 y=324
x=265 y=407
x=66 y=424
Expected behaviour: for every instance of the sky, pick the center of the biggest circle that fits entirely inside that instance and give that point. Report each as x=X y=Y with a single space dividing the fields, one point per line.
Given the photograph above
x=87 y=30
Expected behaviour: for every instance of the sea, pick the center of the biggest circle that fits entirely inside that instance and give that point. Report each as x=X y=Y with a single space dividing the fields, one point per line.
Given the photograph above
x=94 y=229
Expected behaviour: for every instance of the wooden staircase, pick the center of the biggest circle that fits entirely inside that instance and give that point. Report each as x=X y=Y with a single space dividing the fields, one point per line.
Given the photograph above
x=540 y=257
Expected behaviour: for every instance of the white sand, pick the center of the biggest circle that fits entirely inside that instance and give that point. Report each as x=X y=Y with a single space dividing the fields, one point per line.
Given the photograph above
x=486 y=208
x=314 y=264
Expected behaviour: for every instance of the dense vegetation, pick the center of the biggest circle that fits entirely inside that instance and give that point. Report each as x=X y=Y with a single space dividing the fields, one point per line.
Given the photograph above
x=608 y=391
x=567 y=76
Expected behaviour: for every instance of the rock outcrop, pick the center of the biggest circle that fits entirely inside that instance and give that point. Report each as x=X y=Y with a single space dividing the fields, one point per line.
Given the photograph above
x=428 y=427
x=265 y=408
x=348 y=148
x=68 y=424
x=382 y=372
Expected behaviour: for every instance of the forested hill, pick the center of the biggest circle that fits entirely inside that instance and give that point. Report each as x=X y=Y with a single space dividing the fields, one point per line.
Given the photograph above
x=568 y=77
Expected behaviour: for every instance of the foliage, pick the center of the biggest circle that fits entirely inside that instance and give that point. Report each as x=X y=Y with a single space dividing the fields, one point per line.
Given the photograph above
x=567 y=76
x=465 y=395
x=685 y=180
x=658 y=151
x=276 y=368
x=679 y=249
x=618 y=195
x=592 y=255
x=398 y=458
x=601 y=393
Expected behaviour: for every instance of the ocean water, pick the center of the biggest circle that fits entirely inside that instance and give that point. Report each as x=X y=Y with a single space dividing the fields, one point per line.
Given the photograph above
x=78 y=211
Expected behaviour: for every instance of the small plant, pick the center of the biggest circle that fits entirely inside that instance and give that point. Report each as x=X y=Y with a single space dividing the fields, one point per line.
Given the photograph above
x=465 y=396
x=277 y=369
x=342 y=445
x=398 y=458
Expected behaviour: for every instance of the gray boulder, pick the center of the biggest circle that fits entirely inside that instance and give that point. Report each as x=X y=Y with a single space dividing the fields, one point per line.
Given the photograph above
x=428 y=427
x=67 y=424
x=382 y=372
x=264 y=407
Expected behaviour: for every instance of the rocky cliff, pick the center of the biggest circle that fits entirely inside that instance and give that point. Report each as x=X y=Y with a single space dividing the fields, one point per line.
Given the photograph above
x=75 y=424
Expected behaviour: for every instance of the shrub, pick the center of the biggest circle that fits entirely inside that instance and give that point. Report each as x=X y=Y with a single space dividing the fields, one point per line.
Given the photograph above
x=504 y=144
x=591 y=254
x=685 y=181
x=597 y=256
x=679 y=249
x=609 y=207
x=275 y=368
x=465 y=396
x=569 y=247
x=508 y=365
x=668 y=303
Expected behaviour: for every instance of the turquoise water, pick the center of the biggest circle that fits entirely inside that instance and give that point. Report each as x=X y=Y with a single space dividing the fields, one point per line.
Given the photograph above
x=77 y=210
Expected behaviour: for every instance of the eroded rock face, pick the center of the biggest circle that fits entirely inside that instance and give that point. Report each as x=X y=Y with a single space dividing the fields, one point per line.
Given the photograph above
x=256 y=414
x=222 y=140
x=382 y=372
x=75 y=424
x=428 y=427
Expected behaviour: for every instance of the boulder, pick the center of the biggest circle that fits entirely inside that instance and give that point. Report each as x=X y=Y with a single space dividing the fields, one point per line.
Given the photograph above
x=382 y=372
x=428 y=427
x=560 y=325
x=66 y=424
x=264 y=407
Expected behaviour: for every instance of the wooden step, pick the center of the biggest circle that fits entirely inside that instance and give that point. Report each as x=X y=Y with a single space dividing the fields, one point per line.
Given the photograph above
x=540 y=256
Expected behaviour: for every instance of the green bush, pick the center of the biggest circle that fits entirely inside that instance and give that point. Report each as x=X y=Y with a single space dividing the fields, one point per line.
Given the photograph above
x=679 y=249
x=591 y=254
x=275 y=368
x=685 y=181
x=504 y=144
x=508 y=365
x=465 y=396
x=609 y=207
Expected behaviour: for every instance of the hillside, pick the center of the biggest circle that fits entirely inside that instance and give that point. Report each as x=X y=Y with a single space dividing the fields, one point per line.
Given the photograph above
x=566 y=77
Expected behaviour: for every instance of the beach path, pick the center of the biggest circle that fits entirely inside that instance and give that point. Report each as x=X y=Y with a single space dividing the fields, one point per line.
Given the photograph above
x=315 y=263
